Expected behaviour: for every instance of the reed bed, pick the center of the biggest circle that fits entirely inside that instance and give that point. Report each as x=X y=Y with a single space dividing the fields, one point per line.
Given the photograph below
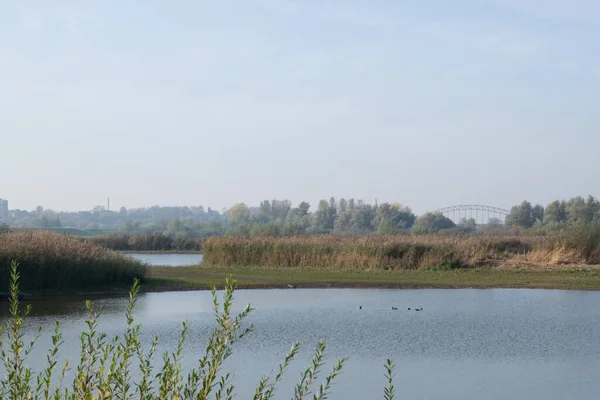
x=147 y=243
x=63 y=262
x=396 y=252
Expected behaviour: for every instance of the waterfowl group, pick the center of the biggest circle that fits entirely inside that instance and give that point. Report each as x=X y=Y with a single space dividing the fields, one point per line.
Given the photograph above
x=394 y=308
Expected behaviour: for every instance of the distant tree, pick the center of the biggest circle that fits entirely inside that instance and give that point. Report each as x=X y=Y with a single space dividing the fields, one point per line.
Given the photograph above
x=400 y=217
x=468 y=225
x=343 y=205
x=493 y=222
x=351 y=204
x=576 y=210
x=358 y=221
x=432 y=223
x=303 y=208
x=324 y=217
x=297 y=220
x=130 y=226
x=555 y=214
x=239 y=214
x=592 y=209
x=280 y=209
x=265 y=209
x=386 y=227
x=537 y=213
x=521 y=215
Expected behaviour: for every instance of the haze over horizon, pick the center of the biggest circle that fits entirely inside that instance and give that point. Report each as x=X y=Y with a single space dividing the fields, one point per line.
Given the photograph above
x=429 y=104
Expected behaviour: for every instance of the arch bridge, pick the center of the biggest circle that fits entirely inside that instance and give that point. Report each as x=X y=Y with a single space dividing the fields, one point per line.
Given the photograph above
x=480 y=213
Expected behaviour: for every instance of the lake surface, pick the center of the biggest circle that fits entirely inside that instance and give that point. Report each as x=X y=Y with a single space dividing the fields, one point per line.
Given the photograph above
x=168 y=260
x=466 y=344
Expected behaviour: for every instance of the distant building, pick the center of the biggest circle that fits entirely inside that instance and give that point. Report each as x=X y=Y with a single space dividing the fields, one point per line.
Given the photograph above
x=3 y=209
x=39 y=211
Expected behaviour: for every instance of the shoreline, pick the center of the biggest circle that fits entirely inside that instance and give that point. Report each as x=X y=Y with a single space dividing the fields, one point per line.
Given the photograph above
x=198 y=278
x=202 y=278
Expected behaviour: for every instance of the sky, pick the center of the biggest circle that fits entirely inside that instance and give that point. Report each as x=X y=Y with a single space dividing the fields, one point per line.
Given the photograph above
x=427 y=103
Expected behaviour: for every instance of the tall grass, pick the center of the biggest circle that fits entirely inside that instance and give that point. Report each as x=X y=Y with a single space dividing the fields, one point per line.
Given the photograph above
x=398 y=252
x=105 y=368
x=62 y=262
x=147 y=243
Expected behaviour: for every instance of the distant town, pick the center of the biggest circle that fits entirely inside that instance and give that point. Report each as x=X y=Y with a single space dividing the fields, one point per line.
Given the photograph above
x=100 y=217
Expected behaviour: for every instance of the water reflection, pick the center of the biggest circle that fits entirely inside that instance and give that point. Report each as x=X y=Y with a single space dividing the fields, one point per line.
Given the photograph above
x=168 y=260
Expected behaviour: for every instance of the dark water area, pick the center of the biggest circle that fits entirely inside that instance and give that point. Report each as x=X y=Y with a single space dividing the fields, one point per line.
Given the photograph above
x=490 y=344
x=168 y=259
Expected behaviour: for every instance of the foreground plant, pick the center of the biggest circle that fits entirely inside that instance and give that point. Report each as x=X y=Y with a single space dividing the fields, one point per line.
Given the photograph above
x=104 y=370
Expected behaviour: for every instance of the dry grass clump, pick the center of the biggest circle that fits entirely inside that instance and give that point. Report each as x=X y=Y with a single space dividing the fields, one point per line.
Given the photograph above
x=55 y=261
x=366 y=253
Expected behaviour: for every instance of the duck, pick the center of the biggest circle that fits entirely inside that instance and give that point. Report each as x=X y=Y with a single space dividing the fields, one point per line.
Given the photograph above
x=408 y=308
x=419 y=309
x=394 y=308
x=359 y=307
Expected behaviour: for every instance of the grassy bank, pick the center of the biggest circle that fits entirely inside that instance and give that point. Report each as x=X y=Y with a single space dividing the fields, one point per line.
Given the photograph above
x=199 y=278
x=51 y=261
x=375 y=253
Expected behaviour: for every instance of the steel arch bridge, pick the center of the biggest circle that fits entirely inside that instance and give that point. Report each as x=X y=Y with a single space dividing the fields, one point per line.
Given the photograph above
x=480 y=213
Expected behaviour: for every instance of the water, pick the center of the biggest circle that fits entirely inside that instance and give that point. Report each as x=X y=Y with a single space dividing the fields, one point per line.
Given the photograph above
x=490 y=344
x=168 y=260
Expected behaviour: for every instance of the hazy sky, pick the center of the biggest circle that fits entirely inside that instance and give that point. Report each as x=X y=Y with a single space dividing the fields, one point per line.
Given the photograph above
x=429 y=103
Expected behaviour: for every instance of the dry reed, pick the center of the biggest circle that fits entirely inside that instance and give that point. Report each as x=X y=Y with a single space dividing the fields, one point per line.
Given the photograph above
x=393 y=252
x=62 y=262
x=147 y=243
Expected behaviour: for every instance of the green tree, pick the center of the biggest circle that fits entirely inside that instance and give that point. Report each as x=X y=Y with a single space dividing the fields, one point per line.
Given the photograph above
x=343 y=205
x=521 y=215
x=592 y=209
x=357 y=221
x=239 y=214
x=280 y=209
x=576 y=210
x=555 y=214
x=265 y=210
x=322 y=221
x=386 y=227
x=537 y=213
x=432 y=223
x=400 y=217
x=468 y=225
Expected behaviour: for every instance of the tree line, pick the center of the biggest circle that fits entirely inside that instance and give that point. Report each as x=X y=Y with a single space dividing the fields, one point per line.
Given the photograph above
x=341 y=217
x=280 y=218
x=355 y=217
x=556 y=216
